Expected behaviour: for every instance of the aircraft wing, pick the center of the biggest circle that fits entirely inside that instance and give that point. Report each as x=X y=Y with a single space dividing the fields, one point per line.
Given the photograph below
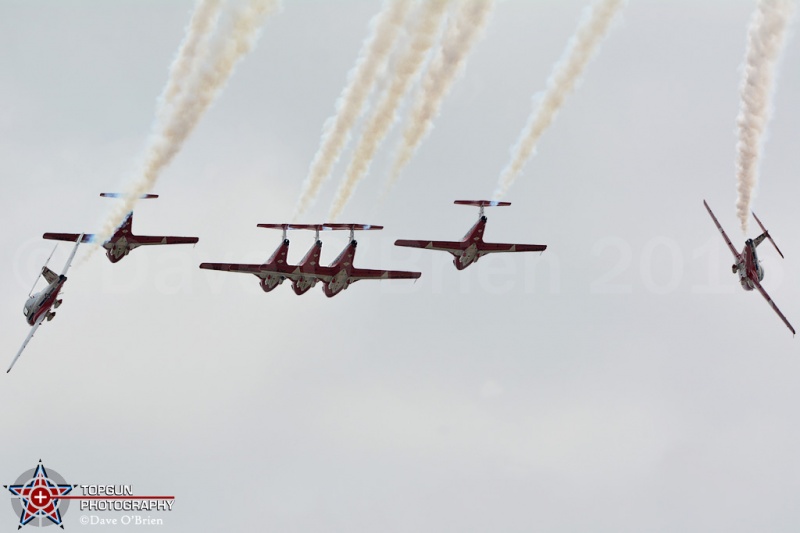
x=27 y=340
x=454 y=247
x=70 y=237
x=242 y=268
x=725 y=236
x=366 y=273
x=492 y=247
x=140 y=240
x=321 y=273
x=78 y=240
x=772 y=304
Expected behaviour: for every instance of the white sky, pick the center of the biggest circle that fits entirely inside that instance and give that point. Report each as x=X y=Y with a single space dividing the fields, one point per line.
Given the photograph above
x=621 y=381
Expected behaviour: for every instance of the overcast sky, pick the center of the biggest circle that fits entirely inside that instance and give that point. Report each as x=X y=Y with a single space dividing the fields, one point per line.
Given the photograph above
x=620 y=382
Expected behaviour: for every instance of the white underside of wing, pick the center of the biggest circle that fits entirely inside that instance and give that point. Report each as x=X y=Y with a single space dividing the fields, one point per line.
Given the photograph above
x=27 y=340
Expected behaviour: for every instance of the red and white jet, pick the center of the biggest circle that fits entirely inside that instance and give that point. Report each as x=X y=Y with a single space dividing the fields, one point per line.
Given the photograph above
x=276 y=269
x=747 y=265
x=342 y=273
x=304 y=277
x=39 y=306
x=336 y=277
x=472 y=247
x=123 y=241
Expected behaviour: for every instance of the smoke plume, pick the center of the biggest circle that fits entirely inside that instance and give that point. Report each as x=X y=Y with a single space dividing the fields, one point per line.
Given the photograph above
x=565 y=74
x=408 y=65
x=385 y=27
x=460 y=36
x=200 y=86
x=192 y=51
x=765 y=40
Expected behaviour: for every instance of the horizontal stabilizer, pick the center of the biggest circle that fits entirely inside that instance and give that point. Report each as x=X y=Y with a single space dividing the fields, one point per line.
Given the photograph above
x=123 y=195
x=70 y=237
x=482 y=203
x=768 y=235
x=352 y=227
x=313 y=227
x=321 y=227
x=48 y=275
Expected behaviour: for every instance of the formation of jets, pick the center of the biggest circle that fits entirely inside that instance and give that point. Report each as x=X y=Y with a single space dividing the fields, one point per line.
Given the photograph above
x=336 y=277
x=341 y=273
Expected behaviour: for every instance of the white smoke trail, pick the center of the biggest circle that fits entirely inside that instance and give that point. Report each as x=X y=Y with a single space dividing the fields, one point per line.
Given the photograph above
x=202 y=87
x=191 y=52
x=565 y=74
x=423 y=38
x=385 y=27
x=765 y=40
x=460 y=36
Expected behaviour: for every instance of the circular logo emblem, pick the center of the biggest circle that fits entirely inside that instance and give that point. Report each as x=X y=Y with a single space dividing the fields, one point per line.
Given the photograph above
x=36 y=497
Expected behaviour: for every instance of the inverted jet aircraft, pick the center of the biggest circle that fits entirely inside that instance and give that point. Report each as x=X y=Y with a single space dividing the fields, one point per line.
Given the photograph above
x=39 y=307
x=123 y=240
x=472 y=247
x=336 y=277
x=747 y=265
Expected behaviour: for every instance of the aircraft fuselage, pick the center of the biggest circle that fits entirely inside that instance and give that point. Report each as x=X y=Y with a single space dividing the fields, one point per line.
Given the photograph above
x=342 y=267
x=276 y=262
x=749 y=269
x=304 y=278
x=117 y=247
x=41 y=302
x=470 y=253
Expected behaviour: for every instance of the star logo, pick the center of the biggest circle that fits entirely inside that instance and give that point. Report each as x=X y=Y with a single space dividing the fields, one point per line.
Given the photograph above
x=36 y=495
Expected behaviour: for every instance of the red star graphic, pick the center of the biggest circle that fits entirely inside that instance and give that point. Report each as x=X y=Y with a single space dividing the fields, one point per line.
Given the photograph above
x=40 y=497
